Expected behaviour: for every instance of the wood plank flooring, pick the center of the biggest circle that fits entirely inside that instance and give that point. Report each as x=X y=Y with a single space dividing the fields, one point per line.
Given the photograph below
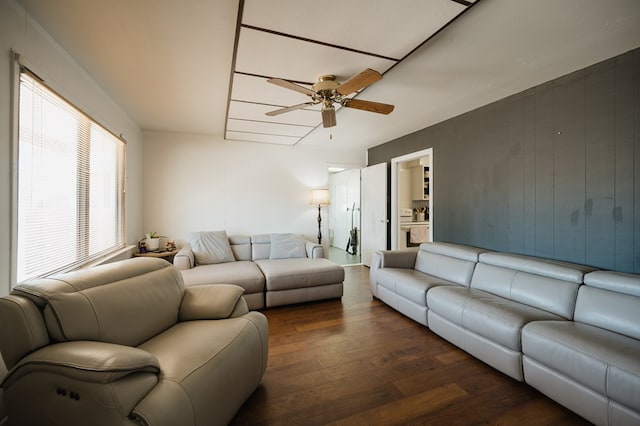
x=359 y=362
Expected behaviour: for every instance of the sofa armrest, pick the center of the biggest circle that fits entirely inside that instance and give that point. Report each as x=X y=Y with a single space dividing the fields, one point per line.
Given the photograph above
x=314 y=250
x=398 y=258
x=88 y=361
x=212 y=301
x=184 y=259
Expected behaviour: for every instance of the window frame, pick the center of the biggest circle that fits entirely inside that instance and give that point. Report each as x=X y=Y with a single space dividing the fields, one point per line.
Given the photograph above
x=19 y=67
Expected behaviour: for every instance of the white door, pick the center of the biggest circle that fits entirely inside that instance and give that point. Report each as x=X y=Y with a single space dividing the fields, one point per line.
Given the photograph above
x=374 y=211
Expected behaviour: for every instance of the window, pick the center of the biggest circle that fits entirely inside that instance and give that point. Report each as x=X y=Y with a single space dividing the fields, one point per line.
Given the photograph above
x=70 y=184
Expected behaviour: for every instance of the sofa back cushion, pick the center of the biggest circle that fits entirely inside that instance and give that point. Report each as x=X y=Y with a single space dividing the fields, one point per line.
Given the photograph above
x=278 y=246
x=210 y=247
x=610 y=300
x=260 y=246
x=287 y=246
x=124 y=302
x=241 y=246
x=452 y=262
x=548 y=285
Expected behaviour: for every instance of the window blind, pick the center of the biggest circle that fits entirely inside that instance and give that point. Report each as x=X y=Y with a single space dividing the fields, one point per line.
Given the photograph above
x=70 y=184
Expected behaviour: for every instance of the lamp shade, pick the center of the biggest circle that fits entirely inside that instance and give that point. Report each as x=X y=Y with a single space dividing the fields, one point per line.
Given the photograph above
x=319 y=196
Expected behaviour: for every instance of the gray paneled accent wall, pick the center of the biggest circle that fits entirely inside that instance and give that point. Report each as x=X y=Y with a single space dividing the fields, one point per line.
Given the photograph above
x=553 y=171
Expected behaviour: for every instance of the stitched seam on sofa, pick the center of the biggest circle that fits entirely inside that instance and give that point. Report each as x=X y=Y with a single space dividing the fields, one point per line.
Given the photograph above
x=218 y=351
x=262 y=366
x=179 y=384
x=114 y=397
x=588 y=355
x=95 y=313
x=95 y=370
x=28 y=321
x=513 y=278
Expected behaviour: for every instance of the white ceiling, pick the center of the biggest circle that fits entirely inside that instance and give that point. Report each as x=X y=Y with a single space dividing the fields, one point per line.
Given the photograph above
x=171 y=64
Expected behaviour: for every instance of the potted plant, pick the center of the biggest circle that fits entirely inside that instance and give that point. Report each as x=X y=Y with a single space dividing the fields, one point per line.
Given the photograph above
x=152 y=241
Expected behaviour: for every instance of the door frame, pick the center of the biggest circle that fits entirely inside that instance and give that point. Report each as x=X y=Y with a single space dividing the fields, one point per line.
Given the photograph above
x=395 y=214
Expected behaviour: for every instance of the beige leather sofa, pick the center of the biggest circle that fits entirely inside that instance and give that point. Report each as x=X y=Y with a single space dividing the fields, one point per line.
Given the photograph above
x=274 y=269
x=568 y=330
x=127 y=344
x=591 y=364
x=402 y=278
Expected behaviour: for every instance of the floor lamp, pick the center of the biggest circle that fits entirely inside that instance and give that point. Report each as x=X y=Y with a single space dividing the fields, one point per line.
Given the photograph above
x=319 y=197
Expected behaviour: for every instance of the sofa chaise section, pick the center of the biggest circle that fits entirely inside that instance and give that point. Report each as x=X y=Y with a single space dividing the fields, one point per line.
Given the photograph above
x=127 y=344
x=591 y=364
x=300 y=279
x=402 y=278
x=507 y=292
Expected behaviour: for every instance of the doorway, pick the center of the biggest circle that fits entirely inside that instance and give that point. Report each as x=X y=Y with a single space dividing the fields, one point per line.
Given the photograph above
x=344 y=217
x=412 y=218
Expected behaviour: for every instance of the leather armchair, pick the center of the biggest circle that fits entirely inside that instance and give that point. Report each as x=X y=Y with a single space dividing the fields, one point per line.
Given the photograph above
x=127 y=343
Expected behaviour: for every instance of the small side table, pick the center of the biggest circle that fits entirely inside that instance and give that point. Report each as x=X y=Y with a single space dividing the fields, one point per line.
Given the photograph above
x=166 y=255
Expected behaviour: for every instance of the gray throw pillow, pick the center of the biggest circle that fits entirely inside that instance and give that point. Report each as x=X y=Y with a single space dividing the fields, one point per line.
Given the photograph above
x=287 y=246
x=211 y=247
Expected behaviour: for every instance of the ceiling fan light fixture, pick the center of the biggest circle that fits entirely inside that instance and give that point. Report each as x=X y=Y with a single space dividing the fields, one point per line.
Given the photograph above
x=328 y=116
x=327 y=91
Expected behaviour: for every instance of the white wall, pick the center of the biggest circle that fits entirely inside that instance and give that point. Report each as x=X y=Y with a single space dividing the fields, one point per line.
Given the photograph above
x=20 y=33
x=204 y=183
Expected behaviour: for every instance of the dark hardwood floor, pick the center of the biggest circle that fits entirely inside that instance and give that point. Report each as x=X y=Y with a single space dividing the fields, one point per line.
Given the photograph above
x=357 y=361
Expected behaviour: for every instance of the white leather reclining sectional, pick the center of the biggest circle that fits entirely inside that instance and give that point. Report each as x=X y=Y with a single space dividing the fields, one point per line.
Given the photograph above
x=274 y=269
x=568 y=330
x=127 y=344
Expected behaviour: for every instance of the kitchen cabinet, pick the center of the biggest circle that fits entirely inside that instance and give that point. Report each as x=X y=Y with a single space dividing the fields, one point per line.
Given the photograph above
x=420 y=183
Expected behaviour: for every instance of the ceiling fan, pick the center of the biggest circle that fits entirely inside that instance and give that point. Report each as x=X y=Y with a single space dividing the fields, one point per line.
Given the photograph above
x=328 y=91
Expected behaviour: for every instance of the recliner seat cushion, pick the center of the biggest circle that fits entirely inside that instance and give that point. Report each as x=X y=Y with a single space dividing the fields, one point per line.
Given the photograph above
x=493 y=317
x=244 y=273
x=602 y=360
x=409 y=283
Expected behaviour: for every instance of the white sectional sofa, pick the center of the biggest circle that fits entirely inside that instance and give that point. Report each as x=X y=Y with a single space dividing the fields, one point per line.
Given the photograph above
x=274 y=269
x=569 y=330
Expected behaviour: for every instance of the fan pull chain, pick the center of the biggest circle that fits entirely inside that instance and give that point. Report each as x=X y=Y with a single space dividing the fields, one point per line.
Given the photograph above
x=330 y=135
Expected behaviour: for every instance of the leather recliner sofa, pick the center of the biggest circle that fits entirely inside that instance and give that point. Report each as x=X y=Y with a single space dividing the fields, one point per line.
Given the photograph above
x=127 y=344
x=571 y=331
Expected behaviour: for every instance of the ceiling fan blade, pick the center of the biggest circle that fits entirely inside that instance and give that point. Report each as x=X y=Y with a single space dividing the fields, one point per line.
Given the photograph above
x=359 y=81
x=290 y=108
x=328 y=117
x=378 y=107
x=292 y=86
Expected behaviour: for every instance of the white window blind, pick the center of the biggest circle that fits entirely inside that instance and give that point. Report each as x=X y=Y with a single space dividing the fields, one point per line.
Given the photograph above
x=70 y=184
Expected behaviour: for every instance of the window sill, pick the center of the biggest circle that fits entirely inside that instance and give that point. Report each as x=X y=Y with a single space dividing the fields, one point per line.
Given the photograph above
x=125 y=252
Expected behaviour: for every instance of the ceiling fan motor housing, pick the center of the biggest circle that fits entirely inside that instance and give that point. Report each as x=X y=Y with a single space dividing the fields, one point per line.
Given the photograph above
x=326 y=85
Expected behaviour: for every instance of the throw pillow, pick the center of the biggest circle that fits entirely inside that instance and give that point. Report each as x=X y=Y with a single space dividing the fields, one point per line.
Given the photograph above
x=286 y=246
x=211 y=247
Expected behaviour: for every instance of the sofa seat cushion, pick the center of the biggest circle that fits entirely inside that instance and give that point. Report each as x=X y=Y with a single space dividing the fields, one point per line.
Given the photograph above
x=492 y=317
x=206 y=367
x=285 y=274
x=243 y=273
x=604 y=361
x=409 y=283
